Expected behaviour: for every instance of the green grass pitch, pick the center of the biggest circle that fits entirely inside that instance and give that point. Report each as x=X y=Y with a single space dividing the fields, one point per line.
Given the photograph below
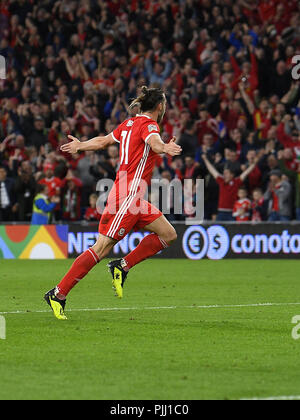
x=184 y=330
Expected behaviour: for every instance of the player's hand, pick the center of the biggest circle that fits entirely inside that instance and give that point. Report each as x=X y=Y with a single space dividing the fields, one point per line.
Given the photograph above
x=71 y=147
x=172 y=148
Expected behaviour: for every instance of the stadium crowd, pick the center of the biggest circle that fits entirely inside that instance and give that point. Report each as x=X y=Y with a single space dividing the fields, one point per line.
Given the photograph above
x=226 y=68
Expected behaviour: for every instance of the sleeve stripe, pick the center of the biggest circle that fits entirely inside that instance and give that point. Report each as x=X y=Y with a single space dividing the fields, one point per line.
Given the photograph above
x=113 y=136
x=151 y=134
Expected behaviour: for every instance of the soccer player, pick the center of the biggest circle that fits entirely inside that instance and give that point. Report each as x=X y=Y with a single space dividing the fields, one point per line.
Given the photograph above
x=139 y=141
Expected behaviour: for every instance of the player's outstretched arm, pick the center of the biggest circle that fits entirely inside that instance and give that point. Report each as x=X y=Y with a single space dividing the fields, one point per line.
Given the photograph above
x=97 y=143
x=159 y=147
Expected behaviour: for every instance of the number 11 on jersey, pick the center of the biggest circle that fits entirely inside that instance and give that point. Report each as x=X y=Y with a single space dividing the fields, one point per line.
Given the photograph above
x=125 y=146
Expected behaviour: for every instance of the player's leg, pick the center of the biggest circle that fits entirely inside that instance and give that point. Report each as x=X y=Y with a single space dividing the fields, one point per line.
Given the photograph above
x=84 y=263
x=163 y=235
x=164 y=229
x=148 y=218
x=56 y=298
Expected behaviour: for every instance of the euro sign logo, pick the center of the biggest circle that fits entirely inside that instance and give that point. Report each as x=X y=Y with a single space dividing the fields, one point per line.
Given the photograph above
x=2 y=67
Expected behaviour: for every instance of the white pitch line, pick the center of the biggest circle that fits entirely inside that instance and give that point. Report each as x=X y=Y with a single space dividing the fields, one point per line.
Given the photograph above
x=280 y=398
x=249 y=305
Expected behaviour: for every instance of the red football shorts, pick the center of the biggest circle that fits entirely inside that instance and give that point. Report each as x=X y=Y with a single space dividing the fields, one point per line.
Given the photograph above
x=118 y=224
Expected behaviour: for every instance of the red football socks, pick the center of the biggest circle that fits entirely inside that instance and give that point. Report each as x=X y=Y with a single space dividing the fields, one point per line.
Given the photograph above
x=149 y=246
x=81 y=266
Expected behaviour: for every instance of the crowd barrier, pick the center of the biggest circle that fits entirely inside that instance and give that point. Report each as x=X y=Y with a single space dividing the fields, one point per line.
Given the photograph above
x=215 y=241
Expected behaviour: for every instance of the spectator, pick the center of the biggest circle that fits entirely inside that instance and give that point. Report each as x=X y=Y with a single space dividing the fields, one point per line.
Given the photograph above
x=281 y=80
x=229 y=185
x=242 y=207
x=6 y=196
x=71 y=190
x=188 y=139
x=91 y=213
x=43 y=206
x=53 y=183
x=84 y=174
x=258 y=206
x=231 y=161
x=24 y=189
x=37 y=135
x=254 y=179
x=190 y=168
x=294 y=176
x=158 y=72
x=279 y=196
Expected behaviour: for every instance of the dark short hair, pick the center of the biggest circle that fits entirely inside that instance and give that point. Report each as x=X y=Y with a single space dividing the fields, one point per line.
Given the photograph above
x=227 y=168
x=190 y=124
x=148 y=99
x=276 y=172
x=258 y=190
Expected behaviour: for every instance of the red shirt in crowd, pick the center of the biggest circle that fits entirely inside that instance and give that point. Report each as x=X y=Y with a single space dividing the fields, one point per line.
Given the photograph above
x=243 y=203
x=267 y=10
x=72 y=188
x=228 y=193
x=92 y=214
x=204 y=128
x=252 y=78
x=254 y=178
x=286 y=140
x=269 y=13
x=275 y=205
x=54 y=184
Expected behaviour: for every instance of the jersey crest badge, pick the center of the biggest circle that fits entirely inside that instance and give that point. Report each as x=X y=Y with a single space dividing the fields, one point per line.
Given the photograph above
x=152 y=127
x=122 y=232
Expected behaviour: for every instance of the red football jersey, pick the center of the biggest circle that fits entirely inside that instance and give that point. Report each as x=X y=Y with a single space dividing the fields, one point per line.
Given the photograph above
x=126 y=209
x=228 y=193
x=92 y=214
x=54 y=184
x=137 y=159
x=245 y=204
